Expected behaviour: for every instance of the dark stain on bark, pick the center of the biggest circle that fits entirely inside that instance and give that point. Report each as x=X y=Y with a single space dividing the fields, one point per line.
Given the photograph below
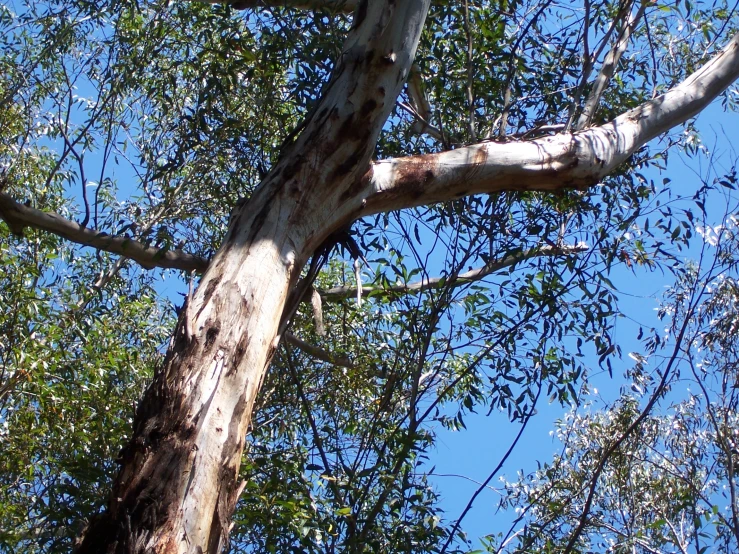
x=210 y=289
x=357 y=187
x=360 y=14
x=414 y=179
x=232 y=448
x=261 y=216
x=346 y=166
x=238 y=354
x=210 y=337
x=368 y=107
x=293 y=167
x=354 y=130
x=347 y=127
x=294 y=189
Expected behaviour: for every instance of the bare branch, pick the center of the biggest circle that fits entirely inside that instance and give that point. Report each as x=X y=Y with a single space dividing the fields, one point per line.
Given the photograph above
x=344 y=6
x=19 y=216
x=343 y=293
x=510 y=72
x=608 y=69
x=567 y=160
x=470 y=73
x=421 y=126
x=316 y=352
x=420 y=107
x=417 y=93
x=588 y=58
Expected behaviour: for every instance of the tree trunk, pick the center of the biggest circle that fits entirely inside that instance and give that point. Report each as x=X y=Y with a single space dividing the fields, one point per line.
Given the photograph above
x=177 y=487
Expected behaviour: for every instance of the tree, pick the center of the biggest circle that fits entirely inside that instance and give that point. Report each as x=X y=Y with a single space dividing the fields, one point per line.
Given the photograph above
x=671 y=486
x=183 y=86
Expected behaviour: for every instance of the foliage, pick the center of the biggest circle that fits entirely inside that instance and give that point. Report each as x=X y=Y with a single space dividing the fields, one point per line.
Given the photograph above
x=151 y=119
x=669 y=483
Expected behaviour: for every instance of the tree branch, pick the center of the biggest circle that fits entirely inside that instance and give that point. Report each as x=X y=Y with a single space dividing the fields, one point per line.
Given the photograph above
x=608 y=69
x=344 y=6
x=588 y=58
x=18 y=216
x=421 y=126
x=342 y=293
x=316 y=352
x=567 y=160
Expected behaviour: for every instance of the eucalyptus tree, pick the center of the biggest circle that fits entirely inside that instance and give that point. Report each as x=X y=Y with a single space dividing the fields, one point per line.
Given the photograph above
x=502 y=134
x=671 y=487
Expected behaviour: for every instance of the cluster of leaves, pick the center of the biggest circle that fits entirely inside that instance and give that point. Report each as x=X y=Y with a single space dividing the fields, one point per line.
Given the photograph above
x=73 y=362
x=151 y=118
x=655 y=471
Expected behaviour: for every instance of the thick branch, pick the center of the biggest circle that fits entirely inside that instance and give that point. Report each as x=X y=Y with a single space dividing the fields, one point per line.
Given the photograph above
x=19 y=216
x=342 y=293
x=547 y=164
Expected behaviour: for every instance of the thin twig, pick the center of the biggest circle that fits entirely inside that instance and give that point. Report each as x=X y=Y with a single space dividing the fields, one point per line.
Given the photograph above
x=317 y=352
x=608 y=69
x=629 y=431
x=493 y=473
x=341 y=293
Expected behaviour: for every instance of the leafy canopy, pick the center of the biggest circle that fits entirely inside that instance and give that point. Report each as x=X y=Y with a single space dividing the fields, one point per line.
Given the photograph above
x=150 y=120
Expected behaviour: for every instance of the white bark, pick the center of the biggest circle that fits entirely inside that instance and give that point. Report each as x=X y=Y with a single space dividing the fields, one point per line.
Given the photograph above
x=547 y=164
x=177 y=487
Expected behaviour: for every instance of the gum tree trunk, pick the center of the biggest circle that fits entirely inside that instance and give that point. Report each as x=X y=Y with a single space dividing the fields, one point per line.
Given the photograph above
x=177 y=487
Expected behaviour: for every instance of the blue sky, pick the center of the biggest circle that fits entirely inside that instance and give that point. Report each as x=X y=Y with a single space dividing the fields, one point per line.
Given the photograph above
x=464 y=459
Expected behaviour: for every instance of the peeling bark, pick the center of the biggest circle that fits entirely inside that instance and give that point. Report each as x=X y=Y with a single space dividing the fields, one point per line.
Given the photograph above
x=178 y=482
x=177 y=486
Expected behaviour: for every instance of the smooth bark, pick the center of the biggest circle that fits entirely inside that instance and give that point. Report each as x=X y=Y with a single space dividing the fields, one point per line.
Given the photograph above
x=567 y=160
x=178 y=484
x=177 y=487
